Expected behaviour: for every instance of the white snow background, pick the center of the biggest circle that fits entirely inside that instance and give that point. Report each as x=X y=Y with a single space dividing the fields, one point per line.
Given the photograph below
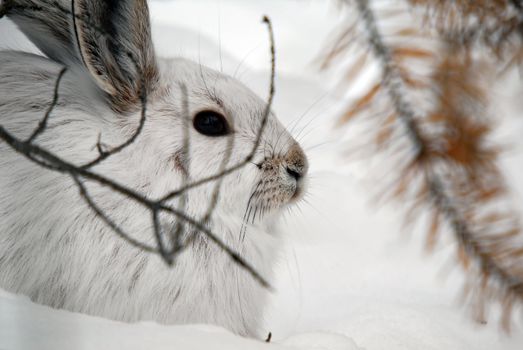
x=351 y=277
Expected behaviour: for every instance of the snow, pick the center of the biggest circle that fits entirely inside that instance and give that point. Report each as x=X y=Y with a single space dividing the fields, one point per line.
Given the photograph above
x=24 y=325
x=352 y=276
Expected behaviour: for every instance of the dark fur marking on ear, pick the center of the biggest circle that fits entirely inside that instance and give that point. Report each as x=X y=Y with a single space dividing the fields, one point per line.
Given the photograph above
x=114 y=41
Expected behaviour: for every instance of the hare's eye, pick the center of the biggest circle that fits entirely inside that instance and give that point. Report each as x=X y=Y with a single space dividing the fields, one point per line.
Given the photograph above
x=211 y=123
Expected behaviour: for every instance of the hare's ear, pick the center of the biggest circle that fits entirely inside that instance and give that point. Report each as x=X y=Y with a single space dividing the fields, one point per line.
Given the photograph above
x=47 y=26
x=114 y=41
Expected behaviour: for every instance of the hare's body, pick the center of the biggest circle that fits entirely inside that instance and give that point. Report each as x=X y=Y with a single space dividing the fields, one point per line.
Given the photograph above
x=54 y=248
x=69 y=259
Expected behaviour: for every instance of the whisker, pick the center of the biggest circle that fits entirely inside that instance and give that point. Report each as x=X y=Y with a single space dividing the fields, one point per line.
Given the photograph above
x=247 y=214
x=244 y=59
x=295 y=122
x=322 y=112
x=308 y=110
x=314 y=118
x=308 y=149
x=200 y=66
x=220 y=35
x=245 y=223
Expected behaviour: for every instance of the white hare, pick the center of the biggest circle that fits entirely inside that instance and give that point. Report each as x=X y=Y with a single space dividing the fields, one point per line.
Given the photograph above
x=56 y=250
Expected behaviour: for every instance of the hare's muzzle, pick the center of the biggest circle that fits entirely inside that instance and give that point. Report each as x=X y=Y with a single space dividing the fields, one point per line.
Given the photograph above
x=296 y=166
x=282 y=178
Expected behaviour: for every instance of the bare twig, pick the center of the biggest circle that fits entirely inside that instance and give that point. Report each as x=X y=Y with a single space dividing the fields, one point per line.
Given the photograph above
x=53 y=162
x=269 y=337
x=43 y=123
x=217 y=185
x=159 y=237
x=31 y=151
x=99 y=212
x=179 y=227
x=265 y=118
x=104 y=154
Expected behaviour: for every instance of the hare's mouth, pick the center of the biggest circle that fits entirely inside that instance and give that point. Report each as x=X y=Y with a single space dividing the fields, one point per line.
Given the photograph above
x=298 y=192
x=276 y=189
x=281 y=183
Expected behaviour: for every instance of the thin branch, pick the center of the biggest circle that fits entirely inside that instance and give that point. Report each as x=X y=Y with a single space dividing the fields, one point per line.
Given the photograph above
x=31 y=150
x=179 y=227
x=60 y=165
x=269 y=337
x=159 y=239
x=237 y=258
x=104 y=154
x=391 y=76
x=265 y=118
x=99 y=212
x=53 y=162
x=43 y=123
x=218 y=184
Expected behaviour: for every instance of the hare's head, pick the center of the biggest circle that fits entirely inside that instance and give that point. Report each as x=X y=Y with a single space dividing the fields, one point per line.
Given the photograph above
x=222 y=123
x=199 y=122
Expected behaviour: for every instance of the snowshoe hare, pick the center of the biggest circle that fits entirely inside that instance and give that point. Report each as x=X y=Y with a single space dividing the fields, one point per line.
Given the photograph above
x=55 y=249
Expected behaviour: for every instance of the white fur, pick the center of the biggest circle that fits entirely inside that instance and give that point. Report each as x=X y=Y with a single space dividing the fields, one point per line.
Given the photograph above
x=55 y=250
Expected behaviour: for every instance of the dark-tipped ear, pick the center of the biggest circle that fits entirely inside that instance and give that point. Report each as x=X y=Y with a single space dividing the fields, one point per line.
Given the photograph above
x=114 y=41
x=47 y=26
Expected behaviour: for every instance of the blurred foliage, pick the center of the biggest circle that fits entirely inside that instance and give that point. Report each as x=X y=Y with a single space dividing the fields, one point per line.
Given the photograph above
x=430 y=111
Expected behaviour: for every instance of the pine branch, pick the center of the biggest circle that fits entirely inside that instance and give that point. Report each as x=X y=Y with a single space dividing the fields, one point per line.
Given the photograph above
x=452 y=169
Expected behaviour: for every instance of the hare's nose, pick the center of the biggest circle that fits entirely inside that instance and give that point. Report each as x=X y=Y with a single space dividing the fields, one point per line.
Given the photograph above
x=297 y=164
x=293 y=173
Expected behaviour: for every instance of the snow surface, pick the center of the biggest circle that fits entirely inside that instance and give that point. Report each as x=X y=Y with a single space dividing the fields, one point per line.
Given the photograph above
x=25 y=325
x=352 y=277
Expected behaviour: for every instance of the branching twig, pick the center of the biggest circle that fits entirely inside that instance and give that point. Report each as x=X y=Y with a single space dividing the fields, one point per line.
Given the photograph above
x=32 y=151
x=104 y=154
x=179 y=227
x=43 y=123
x=53 y=162
x=265 y=118
x=100 y=213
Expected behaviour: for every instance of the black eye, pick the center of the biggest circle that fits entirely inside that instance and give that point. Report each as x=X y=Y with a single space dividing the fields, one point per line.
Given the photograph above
x=211 y=123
